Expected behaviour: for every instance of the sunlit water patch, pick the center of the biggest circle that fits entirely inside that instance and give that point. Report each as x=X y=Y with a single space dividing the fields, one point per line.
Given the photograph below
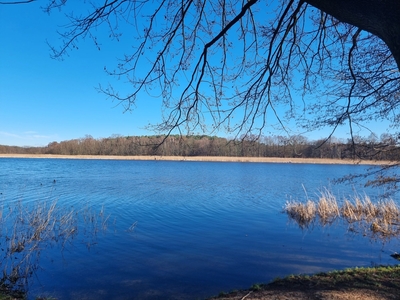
x=199 y=227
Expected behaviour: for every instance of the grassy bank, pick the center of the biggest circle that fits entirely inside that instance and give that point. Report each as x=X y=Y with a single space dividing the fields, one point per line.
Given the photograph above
x=381 y=282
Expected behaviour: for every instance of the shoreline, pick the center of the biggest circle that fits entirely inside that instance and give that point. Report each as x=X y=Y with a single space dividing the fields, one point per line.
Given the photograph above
x=206 y=159
x=369 y=283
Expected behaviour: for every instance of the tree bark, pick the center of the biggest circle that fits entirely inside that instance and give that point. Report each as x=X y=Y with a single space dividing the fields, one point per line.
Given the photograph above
x=379 y=17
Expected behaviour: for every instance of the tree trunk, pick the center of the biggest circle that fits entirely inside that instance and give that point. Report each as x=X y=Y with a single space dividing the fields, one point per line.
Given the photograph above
x=379 y=17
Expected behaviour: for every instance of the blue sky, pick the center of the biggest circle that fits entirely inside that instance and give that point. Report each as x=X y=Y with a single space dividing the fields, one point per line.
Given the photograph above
x=44 y=100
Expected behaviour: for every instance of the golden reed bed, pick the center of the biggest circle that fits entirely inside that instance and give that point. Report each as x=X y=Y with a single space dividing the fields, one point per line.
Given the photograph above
x=206 y=158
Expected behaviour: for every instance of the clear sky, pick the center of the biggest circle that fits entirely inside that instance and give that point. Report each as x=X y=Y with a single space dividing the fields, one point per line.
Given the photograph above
x=44 y=100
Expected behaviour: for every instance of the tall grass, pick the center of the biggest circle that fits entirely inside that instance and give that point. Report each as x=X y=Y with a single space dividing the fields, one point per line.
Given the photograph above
x=303 y=213
x=380 y=219
x=28 y=228
x=328 y=209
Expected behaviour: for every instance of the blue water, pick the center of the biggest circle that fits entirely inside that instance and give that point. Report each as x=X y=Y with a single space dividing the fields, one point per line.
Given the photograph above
x=202 y=227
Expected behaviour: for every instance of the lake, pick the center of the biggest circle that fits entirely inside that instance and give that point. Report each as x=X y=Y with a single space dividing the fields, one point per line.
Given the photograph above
x=200 y=227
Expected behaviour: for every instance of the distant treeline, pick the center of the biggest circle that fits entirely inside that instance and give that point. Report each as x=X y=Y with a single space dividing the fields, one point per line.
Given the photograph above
x=384 y=148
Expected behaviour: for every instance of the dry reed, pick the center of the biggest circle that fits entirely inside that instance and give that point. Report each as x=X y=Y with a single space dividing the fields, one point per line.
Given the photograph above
x=328 y=209
x=27 y=229
x=302 y=213
x=381 y=219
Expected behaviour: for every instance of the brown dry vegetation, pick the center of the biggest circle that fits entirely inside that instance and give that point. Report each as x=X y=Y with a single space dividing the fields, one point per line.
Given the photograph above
x=380 y=219
x=206 y=158
x=28 y=228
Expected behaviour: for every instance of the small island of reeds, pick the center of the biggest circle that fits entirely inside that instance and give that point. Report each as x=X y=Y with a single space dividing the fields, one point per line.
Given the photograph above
x=380 y=219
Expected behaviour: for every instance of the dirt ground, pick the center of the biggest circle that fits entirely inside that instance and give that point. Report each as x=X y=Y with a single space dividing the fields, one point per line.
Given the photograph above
x=347 y=294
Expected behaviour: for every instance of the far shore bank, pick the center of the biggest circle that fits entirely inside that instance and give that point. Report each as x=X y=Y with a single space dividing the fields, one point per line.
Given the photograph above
x=207 y=158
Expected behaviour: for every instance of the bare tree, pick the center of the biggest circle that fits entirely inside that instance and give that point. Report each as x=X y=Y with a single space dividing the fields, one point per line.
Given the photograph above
x=239 y=66
x=235 y=65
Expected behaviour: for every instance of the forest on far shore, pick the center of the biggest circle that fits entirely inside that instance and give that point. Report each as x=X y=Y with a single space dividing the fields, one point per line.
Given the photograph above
x=372 y=148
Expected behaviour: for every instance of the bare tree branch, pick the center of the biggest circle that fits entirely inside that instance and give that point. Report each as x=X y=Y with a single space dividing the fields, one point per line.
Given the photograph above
x=242 y=66
x=16 y=2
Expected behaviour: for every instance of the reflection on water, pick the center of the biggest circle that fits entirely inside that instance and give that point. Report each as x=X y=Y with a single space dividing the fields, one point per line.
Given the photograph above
x=201 y=228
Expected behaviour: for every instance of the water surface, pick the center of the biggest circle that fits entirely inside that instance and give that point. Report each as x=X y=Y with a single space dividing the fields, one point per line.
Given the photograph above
x=202 y=227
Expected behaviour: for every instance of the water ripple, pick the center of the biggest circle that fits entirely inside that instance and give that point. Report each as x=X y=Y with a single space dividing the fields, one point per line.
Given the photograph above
x=201 y=227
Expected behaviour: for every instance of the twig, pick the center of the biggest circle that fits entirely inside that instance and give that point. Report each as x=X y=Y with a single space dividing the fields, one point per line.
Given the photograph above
x=244 y=297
